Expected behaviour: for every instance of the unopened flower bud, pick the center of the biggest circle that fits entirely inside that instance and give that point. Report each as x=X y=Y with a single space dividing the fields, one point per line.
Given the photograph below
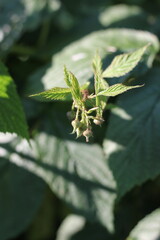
x=75 y=124
x=79 y=132
x=71 y=115
x=87 y=134
x=98 y=121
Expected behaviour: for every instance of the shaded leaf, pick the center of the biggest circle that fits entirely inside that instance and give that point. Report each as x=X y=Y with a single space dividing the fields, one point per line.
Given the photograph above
x=126 y=16
x=117 y=89
x=124 y=63
x=65 y=165
x=21 y=195
x=20 y=15
x=132 y=139
x=148 y=228
x=12 y=117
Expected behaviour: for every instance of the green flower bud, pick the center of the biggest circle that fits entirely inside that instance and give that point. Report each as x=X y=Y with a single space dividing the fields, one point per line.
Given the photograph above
x=75 y=124
x=79 y=132
x=71 y=115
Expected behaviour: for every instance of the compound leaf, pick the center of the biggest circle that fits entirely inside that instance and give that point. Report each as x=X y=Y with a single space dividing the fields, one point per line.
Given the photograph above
x=133 y=135
x=78 y=56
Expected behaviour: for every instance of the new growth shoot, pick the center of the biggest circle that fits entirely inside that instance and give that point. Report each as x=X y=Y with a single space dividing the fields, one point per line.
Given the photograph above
x=87 y=108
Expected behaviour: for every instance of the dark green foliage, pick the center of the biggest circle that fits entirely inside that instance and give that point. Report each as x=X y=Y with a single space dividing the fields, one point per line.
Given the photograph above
x=135 y=149
x=107 y=189
x=20 y=198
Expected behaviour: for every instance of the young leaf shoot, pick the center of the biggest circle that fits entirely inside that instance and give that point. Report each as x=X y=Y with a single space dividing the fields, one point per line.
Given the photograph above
x=89 y=107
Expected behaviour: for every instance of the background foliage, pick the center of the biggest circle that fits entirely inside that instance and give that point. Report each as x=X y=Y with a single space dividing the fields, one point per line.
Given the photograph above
x=54 y=186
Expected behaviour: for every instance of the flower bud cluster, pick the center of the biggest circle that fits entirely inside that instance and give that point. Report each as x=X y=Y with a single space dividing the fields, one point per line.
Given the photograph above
x=80 y=128
x=81 y=116
x=83 y=127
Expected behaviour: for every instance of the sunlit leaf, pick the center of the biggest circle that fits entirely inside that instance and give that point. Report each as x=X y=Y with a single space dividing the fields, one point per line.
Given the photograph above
x=148 y=228
x=66 y=77
x=116 y=89
x=76 y=227
x=12 y=117
x=53 y=94
x=99 y=84
x=78 y=56
x=97 y=65
x=75 y=88
x=124 y=63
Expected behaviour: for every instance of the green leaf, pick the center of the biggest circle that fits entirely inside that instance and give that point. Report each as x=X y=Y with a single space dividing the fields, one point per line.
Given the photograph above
x=53 y=94
x=148 y=228
x=65 y=165
x=124 y=63
x=78 y=56
x=75 y=227
x=117 y=89
x=101 y=100
x=99 y=84
x=126 y=16
x=12 y=117
x=97 y=65
x=75 y=88
x=21 y=195
x=132 y=139
x=66 y=77
x=65 y=232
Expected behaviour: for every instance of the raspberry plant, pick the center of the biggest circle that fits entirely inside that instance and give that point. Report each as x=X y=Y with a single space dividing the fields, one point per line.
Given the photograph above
x=89 y=106
x=110 y=185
